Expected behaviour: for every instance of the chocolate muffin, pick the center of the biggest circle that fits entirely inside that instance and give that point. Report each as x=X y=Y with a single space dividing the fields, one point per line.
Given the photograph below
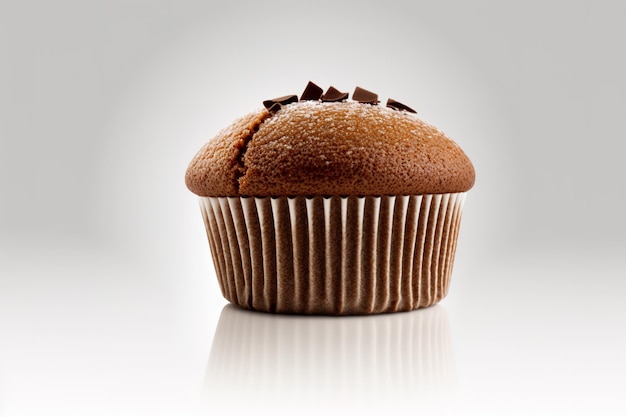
x=322 y=205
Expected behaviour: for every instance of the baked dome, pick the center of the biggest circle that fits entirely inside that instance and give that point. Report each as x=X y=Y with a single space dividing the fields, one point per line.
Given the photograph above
x=329 y=148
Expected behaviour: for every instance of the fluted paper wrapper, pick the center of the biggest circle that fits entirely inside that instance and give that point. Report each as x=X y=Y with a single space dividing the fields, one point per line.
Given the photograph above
x=333 y=255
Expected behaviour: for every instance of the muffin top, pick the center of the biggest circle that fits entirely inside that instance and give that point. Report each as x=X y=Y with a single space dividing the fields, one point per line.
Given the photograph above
x=329 y=146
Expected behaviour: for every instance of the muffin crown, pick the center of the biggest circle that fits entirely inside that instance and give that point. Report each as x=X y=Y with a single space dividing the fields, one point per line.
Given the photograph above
x=329 y=147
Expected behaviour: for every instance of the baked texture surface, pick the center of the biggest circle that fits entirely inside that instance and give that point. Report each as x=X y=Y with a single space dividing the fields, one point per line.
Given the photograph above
x=315 y=148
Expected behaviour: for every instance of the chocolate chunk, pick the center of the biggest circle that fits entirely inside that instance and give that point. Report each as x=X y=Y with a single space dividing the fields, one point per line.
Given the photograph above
x=364 y=96
x=332 y=94
x=274 y=108
x=396 y=105
x=280 y=101
x=312 y=92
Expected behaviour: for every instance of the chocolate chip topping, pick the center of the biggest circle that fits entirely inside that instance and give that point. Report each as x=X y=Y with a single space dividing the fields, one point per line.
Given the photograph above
x=332 y=94
x=274 y=104
x=312 y=92
x=396 y=105
x=364 y=96
x=274 y=108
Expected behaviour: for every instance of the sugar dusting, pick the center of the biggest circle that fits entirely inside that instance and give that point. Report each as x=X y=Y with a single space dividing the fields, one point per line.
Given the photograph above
x=387 y=122
x=351 y=148
x=329 y=148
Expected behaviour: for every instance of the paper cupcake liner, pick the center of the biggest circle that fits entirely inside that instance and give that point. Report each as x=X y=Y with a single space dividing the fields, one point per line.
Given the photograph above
x=333 y=255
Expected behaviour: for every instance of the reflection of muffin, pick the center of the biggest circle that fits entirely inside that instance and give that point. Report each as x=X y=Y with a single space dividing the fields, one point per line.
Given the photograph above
x=325 y=206
x=302 y=362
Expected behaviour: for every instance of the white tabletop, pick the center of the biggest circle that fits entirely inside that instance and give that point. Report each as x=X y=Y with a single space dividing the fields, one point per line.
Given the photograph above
x=87 y=333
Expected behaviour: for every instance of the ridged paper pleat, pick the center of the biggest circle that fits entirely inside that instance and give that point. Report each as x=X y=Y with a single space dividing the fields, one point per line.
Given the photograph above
x=333 y=255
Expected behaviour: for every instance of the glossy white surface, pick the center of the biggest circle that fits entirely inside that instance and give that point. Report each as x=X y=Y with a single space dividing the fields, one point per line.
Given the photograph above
x=85 y=333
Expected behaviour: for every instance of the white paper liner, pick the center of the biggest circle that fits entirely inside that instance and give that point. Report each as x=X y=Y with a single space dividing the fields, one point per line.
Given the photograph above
x=333 y=255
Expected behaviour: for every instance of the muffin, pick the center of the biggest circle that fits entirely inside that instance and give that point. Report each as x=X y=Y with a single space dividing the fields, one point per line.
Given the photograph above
x=325 y=205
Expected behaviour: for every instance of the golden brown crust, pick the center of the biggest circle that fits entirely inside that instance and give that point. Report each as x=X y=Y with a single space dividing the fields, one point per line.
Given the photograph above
x=346 y=148
x=215 y=169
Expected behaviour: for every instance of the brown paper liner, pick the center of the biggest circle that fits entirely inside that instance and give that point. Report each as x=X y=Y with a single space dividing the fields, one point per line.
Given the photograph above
x=333 y=255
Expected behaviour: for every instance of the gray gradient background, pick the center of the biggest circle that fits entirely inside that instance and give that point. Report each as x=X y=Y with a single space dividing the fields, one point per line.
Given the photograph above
x=108 y=301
